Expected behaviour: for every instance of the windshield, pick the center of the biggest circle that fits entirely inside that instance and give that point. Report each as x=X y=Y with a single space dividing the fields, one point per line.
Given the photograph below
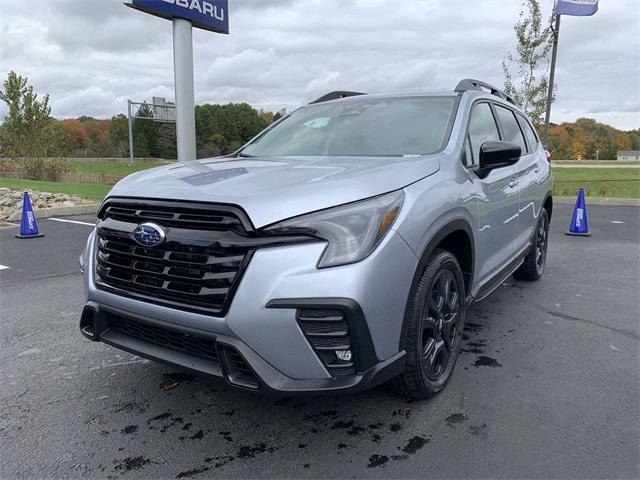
x=360 y=127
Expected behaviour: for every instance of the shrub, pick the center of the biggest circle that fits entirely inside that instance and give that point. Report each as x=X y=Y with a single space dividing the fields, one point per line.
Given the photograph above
x=10 y=166
x=41 y=169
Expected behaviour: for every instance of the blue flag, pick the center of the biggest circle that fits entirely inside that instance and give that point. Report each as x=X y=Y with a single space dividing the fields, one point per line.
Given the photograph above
x=580 y=8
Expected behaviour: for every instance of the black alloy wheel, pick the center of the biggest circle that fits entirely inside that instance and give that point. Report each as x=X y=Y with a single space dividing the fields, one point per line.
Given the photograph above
x=435 y=319
x=534 y=263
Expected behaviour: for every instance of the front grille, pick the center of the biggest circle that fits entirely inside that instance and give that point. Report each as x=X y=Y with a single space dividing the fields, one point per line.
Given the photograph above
x=327 y=331
x=204 y=347
x=193 y=217
x=186 y=271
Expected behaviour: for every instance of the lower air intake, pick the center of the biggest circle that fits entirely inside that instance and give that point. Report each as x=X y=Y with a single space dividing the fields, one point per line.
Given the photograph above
x=328 y=333
x=238 y=371
x=199 y=346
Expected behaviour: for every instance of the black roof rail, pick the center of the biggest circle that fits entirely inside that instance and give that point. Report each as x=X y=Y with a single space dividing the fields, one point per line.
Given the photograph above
x=335 y=95
x=471 y=84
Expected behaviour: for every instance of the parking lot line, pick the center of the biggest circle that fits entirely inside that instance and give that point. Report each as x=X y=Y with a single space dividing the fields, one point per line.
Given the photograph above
x=3 y=267
x=72 y=221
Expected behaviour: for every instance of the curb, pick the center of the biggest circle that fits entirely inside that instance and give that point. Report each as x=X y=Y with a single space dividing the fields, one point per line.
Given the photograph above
x=627 y=202
x=81 y=209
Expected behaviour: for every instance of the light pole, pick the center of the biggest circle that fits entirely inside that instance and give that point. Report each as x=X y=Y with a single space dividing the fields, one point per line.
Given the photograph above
x=554 y=53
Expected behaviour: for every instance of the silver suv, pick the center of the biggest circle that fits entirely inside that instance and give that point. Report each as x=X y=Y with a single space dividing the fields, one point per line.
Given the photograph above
x=338 y=249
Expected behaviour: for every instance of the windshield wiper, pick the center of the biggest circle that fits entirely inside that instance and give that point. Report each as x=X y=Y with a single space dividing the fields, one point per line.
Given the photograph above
x=244 y=155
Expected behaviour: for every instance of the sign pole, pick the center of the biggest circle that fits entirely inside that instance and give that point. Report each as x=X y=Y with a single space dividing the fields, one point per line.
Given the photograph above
x=554 y=53
x=130 y=122
x=185 y=102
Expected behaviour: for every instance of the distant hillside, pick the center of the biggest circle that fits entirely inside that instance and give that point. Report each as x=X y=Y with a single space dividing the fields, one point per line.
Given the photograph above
x=584 y=137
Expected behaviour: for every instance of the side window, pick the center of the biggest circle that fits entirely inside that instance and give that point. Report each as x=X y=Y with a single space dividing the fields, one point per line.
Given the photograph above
x=532 y=139
x=482 y=128
x=510 y=127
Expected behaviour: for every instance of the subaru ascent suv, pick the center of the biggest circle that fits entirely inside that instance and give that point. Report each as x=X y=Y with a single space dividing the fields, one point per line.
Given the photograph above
x=337 y=250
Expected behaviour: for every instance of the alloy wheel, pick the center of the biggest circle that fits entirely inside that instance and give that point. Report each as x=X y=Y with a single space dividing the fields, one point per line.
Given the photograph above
x=440 y=325
x=541 y=244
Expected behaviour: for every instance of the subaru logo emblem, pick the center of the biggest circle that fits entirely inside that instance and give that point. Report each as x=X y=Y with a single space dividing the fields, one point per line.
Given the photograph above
x=149 y=234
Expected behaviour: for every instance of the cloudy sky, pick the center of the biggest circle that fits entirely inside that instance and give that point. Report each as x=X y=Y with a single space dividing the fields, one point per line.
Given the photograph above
x=92 y=55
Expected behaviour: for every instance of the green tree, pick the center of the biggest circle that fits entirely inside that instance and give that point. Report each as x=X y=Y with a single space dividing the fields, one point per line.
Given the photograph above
x=525 y=71
x=147 y=129
x=140 y=145
x=118 y=134
x=25 y=128
x=226 y=127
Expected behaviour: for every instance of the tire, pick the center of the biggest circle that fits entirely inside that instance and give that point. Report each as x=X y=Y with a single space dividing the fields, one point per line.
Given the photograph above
x=533 y=266
x=434 y=331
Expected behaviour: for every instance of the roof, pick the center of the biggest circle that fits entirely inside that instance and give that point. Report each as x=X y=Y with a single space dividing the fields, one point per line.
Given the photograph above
x=628 y=152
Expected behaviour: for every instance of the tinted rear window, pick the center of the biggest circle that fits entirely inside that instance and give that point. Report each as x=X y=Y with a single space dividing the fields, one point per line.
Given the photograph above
x=510 y=129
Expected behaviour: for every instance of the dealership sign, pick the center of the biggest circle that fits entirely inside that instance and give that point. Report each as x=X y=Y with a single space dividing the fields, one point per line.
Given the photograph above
x=212 y=15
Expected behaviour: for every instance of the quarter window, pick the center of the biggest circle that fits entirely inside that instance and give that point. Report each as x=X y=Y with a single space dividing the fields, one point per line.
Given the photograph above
x=510 y=129
x=482 y=128
x=532 y=139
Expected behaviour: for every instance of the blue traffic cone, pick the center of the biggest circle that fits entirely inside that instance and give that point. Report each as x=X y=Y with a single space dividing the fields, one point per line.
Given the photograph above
x=579 y=225
x=28 y=224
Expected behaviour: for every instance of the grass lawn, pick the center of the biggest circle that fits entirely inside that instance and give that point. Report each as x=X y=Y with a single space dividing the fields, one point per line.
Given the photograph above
x=597 y=182
x=84 y=190
x=112 y=168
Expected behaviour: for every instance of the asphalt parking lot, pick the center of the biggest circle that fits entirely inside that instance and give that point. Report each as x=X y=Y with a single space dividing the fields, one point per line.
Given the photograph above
x=547 y=386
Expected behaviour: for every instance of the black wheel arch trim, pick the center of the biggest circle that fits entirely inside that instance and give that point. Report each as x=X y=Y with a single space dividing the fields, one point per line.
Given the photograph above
x=449 y=228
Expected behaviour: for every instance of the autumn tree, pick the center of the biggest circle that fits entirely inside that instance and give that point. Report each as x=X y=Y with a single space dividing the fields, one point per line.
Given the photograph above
x=623 y=141
x=525 y=70
x=577 y=150
x=25 y=128
x=75 y=134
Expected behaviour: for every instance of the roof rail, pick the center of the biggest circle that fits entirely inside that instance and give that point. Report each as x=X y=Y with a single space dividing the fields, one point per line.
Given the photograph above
x=335 y=95
x=471 y=84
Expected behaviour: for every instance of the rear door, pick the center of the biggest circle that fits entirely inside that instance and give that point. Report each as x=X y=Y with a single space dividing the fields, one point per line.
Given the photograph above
x=533 y=192
x=497 y=208
x=527 y=168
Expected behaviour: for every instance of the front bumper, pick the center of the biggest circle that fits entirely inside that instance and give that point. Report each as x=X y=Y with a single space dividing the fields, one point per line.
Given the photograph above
x=262 y=328
x=95 y=325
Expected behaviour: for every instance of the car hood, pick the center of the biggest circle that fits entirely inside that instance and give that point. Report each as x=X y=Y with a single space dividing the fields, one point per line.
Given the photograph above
x=275 y=188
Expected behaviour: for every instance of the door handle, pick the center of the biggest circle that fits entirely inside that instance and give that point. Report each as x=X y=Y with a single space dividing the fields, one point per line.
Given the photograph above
x=513 y=183
x=536 y=170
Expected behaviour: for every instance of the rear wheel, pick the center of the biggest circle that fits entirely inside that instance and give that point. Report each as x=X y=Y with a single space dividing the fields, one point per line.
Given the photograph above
x=434 y=333
x=533 y=266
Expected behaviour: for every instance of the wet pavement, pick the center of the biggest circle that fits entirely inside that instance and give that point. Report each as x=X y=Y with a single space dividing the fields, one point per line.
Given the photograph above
x=547 y=385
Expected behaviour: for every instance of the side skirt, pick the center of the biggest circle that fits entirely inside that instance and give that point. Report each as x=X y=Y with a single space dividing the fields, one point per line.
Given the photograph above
x=488 y=286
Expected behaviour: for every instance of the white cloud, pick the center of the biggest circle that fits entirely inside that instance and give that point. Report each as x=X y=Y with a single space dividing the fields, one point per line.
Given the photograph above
x=91 y=55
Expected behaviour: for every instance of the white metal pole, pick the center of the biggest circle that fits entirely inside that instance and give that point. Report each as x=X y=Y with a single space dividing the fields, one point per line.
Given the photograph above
x=130 y=122
x=185 y=103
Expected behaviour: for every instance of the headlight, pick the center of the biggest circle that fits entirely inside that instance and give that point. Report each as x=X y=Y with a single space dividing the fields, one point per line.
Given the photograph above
x=352 y=230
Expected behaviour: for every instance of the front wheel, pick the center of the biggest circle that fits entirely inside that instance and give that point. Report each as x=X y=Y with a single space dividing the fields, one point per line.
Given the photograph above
x=435 y=321
x=533 y=266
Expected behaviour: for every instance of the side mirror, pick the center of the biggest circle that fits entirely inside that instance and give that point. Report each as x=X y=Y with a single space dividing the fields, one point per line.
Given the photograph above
x=497 y=155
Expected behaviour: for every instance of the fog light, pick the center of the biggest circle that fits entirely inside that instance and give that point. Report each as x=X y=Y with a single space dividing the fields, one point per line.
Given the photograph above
x=344 y=355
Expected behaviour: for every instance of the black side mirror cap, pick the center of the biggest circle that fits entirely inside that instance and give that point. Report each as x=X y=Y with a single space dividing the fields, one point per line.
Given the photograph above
x=497 y=155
